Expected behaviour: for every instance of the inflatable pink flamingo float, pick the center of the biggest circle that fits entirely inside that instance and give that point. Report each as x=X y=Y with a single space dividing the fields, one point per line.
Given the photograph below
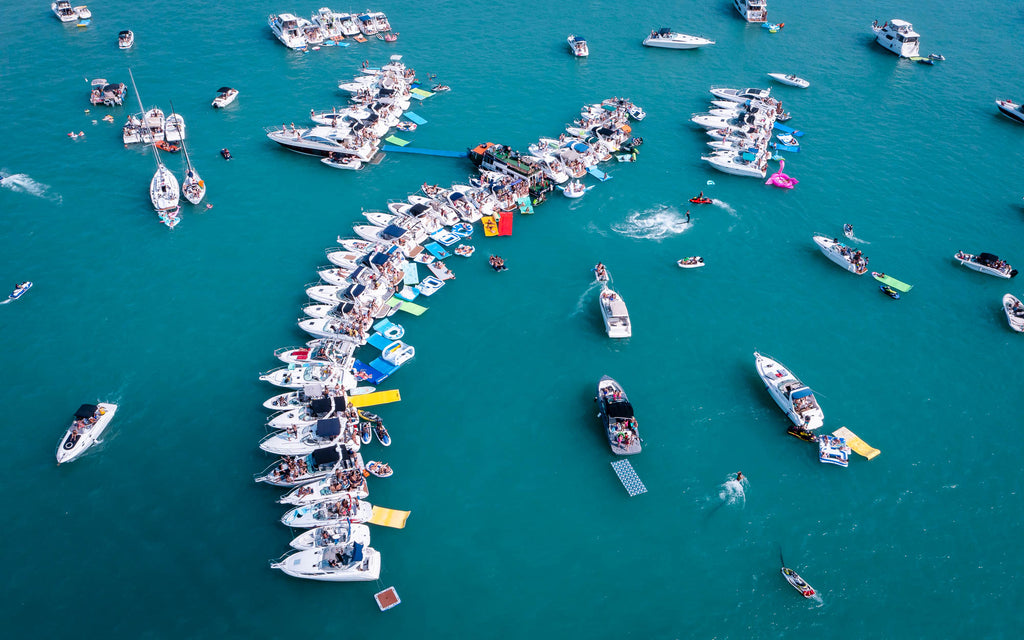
x=780 y=179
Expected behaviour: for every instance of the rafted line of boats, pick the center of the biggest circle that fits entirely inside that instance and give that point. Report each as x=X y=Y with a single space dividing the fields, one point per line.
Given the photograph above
x=327 y=27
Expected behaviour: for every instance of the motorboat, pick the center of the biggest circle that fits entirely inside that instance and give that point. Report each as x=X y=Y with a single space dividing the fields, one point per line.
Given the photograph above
x=752 y=10
x=986 y=263
x=332 y=536
x=616 y=316
x=344 y=162
x=798 y=583
x=746 y=164
x=298 y=376
x=899 y=37
x=665 y=38
x=125 y=39
x=294 y=471
x=332 y=328
x=357 y=245
x=578 y=45
x=789 y=79
x=708 y=121
x=616 y=414
x=289 y=30
x=351 y=562
x=347 y=24
x=325 y=512
x=83 y=14
x=225 y=96
x=788 y=140
x=379 y=218
x=1011 y=110
x=303 y=440
x=295 y=399
x=846 y=257
x=795 y=398
x=346 y=484
x=1014 y=310
x=741 y=95
x=86 y=428
x=693 y=262
x=64 y=11
x=323 y=141
x=109 y=95
x=20 y=289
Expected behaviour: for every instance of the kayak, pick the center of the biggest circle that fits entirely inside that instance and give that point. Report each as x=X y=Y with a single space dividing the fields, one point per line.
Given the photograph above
x=892 y=282
x=889 y=291
x=798 y=583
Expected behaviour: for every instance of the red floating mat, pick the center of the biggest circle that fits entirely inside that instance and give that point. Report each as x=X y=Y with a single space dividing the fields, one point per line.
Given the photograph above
x=387 y=599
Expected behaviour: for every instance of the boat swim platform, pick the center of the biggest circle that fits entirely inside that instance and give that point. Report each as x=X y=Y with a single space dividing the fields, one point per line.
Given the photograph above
x=856 y=443
x=425 y=152
x=387 y=599
x=634 y=486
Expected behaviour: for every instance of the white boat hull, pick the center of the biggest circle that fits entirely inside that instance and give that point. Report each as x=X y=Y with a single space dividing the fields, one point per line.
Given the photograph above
x=310 y=564
x=778 y=379
x=1014 y=310
x=68 y=450
x=331 y=535
x=832 y=251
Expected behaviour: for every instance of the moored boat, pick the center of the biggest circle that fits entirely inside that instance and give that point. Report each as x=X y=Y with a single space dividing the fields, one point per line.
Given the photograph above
x=795 y=398
x=578 y=46
x=789 y=79
x=898 y=36
x=986 y=263
x=86 y=428
x=1011 y=110
x=665 y=38
x=289 y=29
x=752 y=10
x=352 y=562
x=225 y=96
x=1014 y=310
x=616 y=414
x=850 y=259
x=332 y=536
x=325 y=512
x=64 y=11
x=616 y=316
x=798 y=583
x=125 y=39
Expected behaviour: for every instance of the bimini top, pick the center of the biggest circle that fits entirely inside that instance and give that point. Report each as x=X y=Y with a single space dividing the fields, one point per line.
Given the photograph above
x=327 y=455
x=328 y=428
x=665 y=31
x=987 y=259
x=354 y=291
x=124 y=33
x=579 y=39
x=620 y=409
x=802 y=393
x=379 y=259
x=417 y=209
x=321 y=406
x=221 y=90
x=392 y=232
x=86 y=411
x=342 y=309
x=313 y=390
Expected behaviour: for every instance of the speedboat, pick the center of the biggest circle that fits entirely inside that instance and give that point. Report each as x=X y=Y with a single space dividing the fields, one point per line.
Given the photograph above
x=899 y=37
x=1014 y=310
x=740 y=95
x=616 y=316
x=789 y=79
x=292 y=472
x=986 y=263
x=125 y=39
x=322 y=141
x=20 y=289
x=693 y=262
x=289 y=30
x=225 y=96
x=616 y=413
x=747 y=164
x=300 y=441
x=346 y=484
x=798 y=583
x=752 y=10
x=578 y=45
x=64 y=11
x=298 y=376
x=846 y=257
x=83 y=14
x=109 y=95
x=1011 y=110
x=351 y=562
x=666 y=39
x=332 y=536
x=88 y=424
x=325 y=512
x=794 y=397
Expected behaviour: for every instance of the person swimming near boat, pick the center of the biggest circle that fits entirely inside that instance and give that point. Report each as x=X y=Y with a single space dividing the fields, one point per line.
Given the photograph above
x=497 y=263
x=739 y=476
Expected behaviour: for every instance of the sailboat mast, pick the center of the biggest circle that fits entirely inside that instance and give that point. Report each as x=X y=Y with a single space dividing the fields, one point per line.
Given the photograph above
x=188 y=161
x=152 y=141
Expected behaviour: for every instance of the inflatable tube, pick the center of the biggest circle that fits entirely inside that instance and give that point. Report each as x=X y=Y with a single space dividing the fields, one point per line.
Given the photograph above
x=700 y=200
x=394 y=332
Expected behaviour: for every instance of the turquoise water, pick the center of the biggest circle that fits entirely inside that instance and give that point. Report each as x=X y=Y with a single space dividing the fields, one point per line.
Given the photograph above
x=519 y=528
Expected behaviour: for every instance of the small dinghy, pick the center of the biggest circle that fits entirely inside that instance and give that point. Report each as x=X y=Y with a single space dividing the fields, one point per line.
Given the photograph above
x=382 y=433
x=798 y=583
x=379 y=469
x=1014 y=310
x=848 y=231
x=789 y=79
x=692 y=262
x=19 y=290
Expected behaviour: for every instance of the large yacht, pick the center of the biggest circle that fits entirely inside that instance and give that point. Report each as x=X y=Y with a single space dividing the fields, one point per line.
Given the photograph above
x=64 y=11
x=289 y=30
x=752 y=10
x=899 y=37
x=321 y=141
x=794 y=397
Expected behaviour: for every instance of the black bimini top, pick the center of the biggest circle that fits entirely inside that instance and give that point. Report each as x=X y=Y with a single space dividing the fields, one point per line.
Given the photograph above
x=392 y=231
x=327 y=455
x=622 y=409
x=222 y=89
x=328 y=428
x=86 y=411
x=665 y=31
x=987 y=258
x=418 y=209
x=321 y=406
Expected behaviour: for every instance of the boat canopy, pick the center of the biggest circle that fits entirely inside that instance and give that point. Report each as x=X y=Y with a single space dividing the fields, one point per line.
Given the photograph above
x=313 y=390
x=620 y=409
x=327 y=455
x=988 y=259
x=665 y=31
x=124 y=33
x=802 y=393
x=605 y=131
x=379 y=259
x=321 y=406
x=224 y=89
x=328 y=427
x=579 y=39
x=86 y=411
x=417 y=209
x=357 y=550
x=456 y=195
x=392 y=232
x=354 y=291
x=343 y=309
x=579 y=147
x=617 y=307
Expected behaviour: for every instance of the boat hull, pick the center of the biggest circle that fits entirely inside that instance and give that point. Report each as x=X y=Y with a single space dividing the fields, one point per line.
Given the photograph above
x=68 y=451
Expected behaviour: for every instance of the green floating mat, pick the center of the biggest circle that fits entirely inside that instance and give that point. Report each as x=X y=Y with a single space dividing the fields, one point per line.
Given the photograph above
x=408 y=307
x=421 y=93
x=397 y=140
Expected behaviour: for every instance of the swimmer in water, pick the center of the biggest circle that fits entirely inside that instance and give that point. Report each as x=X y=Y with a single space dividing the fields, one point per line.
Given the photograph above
x=739 y=476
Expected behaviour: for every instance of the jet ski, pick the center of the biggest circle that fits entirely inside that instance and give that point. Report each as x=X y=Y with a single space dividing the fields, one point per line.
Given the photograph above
x=889 y=291
x=848 y=230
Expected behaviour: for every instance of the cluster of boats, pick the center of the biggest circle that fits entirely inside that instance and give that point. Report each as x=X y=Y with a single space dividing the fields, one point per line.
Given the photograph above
x=350 y=137
x=107 y=94
x=66 y=13
x=327 y=28
x=740 y=124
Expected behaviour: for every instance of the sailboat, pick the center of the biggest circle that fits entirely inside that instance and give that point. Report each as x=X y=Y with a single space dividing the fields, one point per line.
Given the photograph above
x=192 y=187
x=163 y=188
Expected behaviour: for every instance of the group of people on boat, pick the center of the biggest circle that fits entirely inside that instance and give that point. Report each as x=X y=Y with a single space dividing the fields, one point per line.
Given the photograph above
x=343 y=508
x=853 y=256
x=497 y=263
x=81 y=424
x=626 y=431
x=601 y=272
x=290 y=468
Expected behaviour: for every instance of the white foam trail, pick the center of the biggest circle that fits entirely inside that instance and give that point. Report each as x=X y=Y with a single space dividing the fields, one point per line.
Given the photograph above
x=857 y=240
x=653 y=224
x=722 y=204
x=581 y=303
x=732 y=491
x=22 y=183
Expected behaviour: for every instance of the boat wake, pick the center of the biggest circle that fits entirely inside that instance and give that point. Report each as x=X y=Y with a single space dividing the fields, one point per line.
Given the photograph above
x=22 y=183
x=857 y=240
x=733 y=492
x=653 y=224
x=581 y=303
x=722 y=204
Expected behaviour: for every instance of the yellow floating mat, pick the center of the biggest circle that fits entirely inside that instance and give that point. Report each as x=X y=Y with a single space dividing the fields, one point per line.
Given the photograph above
x=855 y=443
x=490 y=226
x=389 y=517
x=375 y=398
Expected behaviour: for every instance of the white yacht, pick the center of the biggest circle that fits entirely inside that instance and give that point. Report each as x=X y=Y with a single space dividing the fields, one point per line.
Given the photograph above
x=225 y=96
x=289 y=30
x=752 y=10
x=299 y=376
x=578 y=46
x=325 y=512
x=64 y=11
x=986 y=263
x=347 y=24
x=739 y=164
x=899 y=37
x=850 y=259
x=1011 y=110
x=322 y=141
x=88 y=424
x=308 y=438
x=331 y=536
x=333 y=487
x=1014 y=310
x=616 y=316
x=789 y=79
x=351 y=562
x=665 y=38
x=794 y=397
x=740 y=95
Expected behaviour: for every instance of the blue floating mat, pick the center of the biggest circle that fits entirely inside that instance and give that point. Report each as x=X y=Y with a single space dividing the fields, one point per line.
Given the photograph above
x=344 y=44
x=367 y=373
x=786 y=147
x=385 y=326
x=412 y=274
x=415 y=118
x=384 y=367
x=379 y=341
x=525 y=207
x=436 y=250
x=623 y=469
x=784 y=129
x=597 y=173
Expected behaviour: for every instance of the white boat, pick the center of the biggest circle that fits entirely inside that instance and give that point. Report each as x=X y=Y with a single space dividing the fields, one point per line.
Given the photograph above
x=737 y=164
x=348 y=24
x=846 y=257
x=352 y=562
x=578 y=46
x=344 y=484
x=325 y=512
x=292 y=472
x=86 y=428
x=740 y=95
x=899 y=37
x=1014 y=310
x=616 y=413
x=616 y=316
x=986 y=263
x=693 y=262
x=323 y=141
x=64 y=11
x=344 y=162
x=192 y=187
x=794 y=397
x=747 y=121
x=298 y=376
x=789 y=79
x=666 y=39
x=83 y=12
x=1011 y=110
x=332 y=536
x=752 y=10
x=125 y=39
x=225 y=96
x=289 y=30
x=306 y=439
